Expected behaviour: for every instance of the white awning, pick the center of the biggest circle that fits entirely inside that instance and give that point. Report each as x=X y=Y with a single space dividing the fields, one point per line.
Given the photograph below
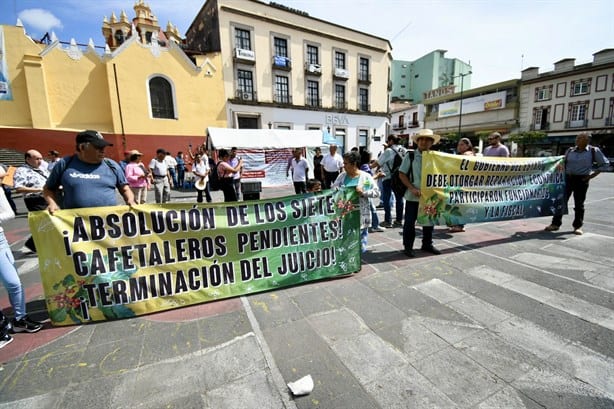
x=263 y=138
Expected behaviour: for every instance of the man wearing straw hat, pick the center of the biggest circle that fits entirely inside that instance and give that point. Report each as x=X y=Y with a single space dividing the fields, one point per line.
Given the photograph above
x=410 y=173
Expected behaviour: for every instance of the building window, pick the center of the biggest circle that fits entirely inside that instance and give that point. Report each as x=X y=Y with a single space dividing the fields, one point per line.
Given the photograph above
x=363 y=99
x=363 y=136
x=313 y=94
x=161 y=98
x=281 y=47
x=339 y=60
x=340 y=96
x=245 y=84
x=543 y=93
x=363 y=69
x=580 y=87
x=312 y=54
x=577 y=115
x=242 y=39
x=540 y=119
x=282 y=89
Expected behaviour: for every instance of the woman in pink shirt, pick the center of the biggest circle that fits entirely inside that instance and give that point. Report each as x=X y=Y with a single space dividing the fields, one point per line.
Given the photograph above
x=138 y=177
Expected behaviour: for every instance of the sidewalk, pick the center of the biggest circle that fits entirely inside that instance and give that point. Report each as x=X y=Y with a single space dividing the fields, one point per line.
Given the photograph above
x=509 y=316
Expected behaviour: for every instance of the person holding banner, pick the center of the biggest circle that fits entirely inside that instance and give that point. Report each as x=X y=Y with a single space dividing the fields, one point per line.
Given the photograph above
x=582 y=163
x=410 y=173
x=366 y=188
x=88 y=179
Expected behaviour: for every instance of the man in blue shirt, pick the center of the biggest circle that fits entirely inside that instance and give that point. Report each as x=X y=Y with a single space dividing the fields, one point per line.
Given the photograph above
x=87 y=178
x=582 y=163
x=424 y=140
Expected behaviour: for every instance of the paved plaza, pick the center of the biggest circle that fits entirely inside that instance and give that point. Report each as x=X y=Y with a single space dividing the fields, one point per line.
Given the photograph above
x=509 y=316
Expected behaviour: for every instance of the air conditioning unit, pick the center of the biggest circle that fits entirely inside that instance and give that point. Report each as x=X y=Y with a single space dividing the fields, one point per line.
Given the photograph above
x=342 y=73
x=243 y=54
x=315 y=68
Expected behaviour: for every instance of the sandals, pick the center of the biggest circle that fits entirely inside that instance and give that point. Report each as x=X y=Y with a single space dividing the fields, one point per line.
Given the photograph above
x=456 y=229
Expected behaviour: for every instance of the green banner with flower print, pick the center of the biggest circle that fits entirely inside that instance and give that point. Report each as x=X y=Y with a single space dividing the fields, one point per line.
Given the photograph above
x=109 y=263
x=461 y=189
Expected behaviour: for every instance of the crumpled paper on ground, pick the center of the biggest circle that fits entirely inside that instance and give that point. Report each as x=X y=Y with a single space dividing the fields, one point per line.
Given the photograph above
x=302 y=386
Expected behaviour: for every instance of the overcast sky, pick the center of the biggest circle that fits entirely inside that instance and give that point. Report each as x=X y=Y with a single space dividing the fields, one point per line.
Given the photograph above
x=498 y=38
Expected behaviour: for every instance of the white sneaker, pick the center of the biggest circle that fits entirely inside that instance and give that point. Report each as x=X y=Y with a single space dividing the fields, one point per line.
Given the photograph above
x=5 y=340
x=579 y=232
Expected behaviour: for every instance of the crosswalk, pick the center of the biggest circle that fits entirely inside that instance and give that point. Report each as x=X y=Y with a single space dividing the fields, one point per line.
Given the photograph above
x=490 y=359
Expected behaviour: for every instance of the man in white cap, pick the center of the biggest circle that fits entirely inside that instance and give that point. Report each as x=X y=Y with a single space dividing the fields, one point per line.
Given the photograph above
x=410 y=173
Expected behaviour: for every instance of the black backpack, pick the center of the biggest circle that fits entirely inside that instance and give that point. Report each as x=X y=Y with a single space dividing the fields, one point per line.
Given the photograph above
x=214 y=178
x=395 y=181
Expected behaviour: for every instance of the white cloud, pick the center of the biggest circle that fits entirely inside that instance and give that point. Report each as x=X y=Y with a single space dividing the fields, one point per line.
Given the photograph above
x=40 y=20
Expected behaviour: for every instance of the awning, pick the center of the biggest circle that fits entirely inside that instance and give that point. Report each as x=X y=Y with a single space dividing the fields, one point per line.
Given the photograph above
x=264 y=138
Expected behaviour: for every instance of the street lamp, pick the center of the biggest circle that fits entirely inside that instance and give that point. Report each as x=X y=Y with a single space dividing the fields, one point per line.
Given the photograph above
x=460 y=110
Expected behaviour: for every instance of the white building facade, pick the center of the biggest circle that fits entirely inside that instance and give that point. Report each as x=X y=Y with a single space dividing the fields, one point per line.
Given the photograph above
x=569 y=100
x=284 y=69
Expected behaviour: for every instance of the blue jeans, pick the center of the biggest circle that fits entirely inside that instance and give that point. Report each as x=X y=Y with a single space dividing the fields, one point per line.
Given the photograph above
x=374 y=217
x=10 y=278
x=399 y=200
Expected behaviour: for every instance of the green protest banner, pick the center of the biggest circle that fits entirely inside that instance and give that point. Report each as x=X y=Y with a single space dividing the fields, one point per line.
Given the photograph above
x=107 y=263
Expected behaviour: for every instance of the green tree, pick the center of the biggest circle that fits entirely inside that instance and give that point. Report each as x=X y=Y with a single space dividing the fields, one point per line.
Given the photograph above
x=526 y=138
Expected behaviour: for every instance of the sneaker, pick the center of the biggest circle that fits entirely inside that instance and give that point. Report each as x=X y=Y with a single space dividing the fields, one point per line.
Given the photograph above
x=376 y=230
x=409 y=252
x=5 y=340
x=578 y=231
x=397 y=224
x=387 y=225
x=26 y=325
x=552 y=227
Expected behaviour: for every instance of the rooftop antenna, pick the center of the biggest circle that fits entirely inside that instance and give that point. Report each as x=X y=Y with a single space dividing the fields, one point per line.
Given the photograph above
x=521 y=61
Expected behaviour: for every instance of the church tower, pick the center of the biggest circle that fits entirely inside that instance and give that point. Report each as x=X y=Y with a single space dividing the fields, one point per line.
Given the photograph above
x=145 y=24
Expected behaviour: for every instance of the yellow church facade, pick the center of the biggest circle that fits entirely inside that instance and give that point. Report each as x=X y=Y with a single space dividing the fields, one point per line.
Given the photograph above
x=142 y=91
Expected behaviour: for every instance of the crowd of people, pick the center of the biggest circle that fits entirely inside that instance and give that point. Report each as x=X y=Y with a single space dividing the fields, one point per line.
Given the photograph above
x=88 y=179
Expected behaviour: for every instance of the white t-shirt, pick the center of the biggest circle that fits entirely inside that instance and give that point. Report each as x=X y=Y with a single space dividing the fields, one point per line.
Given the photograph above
x=332 y=163
x=299 y=169
x=158 y=168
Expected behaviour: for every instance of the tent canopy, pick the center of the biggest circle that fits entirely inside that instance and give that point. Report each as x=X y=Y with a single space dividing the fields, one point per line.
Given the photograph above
x=263 y=138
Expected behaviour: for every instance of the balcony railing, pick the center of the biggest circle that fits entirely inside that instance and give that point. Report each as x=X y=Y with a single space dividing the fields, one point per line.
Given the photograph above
x=580 y=123
x=282 y=63
x=282 y=98
x=364 y=107
x=313 y=102
x=246 y=95
x=540 y=127
x=609 y=121
x=341 y=104
x=398 y=127
x=341 y=73
x=364 y=77
x=414 y=124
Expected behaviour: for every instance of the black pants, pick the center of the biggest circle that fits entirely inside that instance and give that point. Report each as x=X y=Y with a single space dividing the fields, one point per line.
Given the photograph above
x=578 y=186
x=300 y=187
x=228 y=187
x=34 y=203
x=199 y=194
x=409 y=227
x=329 y=178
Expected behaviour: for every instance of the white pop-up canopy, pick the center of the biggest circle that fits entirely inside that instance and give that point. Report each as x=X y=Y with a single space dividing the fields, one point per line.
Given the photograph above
x=263 y=138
